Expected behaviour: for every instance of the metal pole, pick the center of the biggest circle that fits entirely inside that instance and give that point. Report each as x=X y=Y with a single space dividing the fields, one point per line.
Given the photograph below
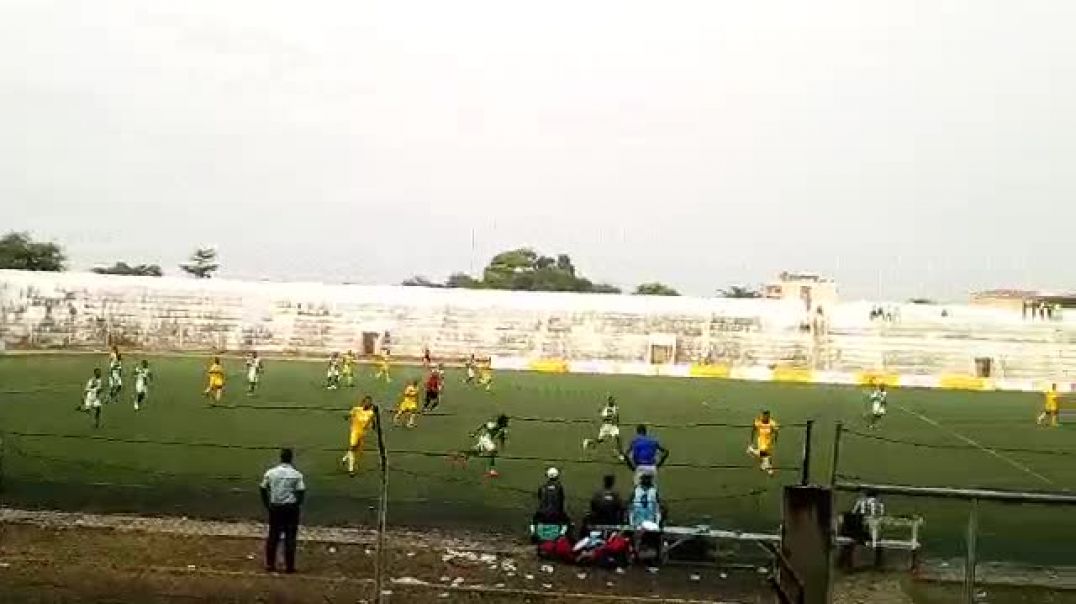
x=836 y=453
x=382 y=513
x=805 y=463
x=970 y=561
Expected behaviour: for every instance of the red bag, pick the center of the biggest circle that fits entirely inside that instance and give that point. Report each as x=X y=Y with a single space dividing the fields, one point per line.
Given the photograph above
x=558 y=549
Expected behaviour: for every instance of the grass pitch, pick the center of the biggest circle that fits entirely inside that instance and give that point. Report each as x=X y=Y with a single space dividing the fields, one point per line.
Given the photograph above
x=180 y=456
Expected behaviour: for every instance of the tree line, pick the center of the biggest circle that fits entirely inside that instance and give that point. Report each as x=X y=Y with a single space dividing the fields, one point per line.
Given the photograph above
x=521 y=269
x=18 y=251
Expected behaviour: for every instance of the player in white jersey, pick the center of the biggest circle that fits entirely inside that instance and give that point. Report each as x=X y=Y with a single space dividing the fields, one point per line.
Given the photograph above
x=143 y=377
x=332 y=374
x=91 y=397
x=471 y=365
x=876 y=403
x=115 y=374
x=254 y=372
x=610 y=427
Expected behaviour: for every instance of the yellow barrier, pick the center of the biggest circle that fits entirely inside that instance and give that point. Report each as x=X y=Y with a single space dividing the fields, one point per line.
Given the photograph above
x=964 y=382
x=710 y=371
x=793 y=374
x=548 y=365
x=874 y=378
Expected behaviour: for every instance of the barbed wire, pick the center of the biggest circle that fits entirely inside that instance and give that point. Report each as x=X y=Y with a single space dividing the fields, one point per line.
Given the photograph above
x=518 y=418
x=413 y=452
x=956 y=447
x=528 y=493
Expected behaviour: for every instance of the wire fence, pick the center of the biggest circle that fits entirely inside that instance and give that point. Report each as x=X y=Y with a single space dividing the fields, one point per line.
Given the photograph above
x=404 y=487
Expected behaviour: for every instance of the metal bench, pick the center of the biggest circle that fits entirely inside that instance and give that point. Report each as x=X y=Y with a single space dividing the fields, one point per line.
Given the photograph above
x=877 y=525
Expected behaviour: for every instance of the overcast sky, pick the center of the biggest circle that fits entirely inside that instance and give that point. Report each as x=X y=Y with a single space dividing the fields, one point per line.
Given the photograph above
x=902 y=147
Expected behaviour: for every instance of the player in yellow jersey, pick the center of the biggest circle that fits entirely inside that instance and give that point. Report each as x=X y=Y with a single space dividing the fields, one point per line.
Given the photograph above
x=485 y=374
x=360 y=418
x=408 y=407
x=763 y=440
x=382 y=372
x=215 y=375
x=1051 y=408
x=347 y=369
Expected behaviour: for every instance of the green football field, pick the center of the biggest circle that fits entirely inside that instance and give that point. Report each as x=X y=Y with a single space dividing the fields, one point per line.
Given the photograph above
x=179 y=456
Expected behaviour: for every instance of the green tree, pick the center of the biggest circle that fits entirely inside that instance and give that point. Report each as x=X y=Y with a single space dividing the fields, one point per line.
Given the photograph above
x=655 y=289
x=136 y=270
x=739 y=291
x=19 y=252
x=462 y=281
x=203 y=263
x=525 y=269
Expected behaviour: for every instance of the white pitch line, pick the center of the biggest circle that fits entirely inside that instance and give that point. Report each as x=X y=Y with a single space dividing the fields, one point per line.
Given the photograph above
x=981 y=447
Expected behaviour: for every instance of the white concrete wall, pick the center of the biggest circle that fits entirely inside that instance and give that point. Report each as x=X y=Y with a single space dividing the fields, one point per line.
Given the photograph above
x=78 y=310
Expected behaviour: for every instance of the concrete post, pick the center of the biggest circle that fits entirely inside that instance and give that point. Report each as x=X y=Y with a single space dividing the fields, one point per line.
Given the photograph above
x=807 y=542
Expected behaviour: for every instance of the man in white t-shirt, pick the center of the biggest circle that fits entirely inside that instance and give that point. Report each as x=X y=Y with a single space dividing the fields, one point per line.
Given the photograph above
x=282 y=491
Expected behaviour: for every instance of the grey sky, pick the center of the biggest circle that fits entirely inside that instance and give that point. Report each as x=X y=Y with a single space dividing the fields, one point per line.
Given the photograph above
x=928 y=146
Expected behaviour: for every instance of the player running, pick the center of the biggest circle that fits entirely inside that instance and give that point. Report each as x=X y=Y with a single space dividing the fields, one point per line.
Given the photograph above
x=763 y=439
x=485 y=374
x=1051 y=408
x=254 y=371
x=360 y=418
x=115 y=374
x=383 y=367
x=434 y=384
x=610 y=427
x=490 y=438
x=408 y=407
x=876 y=403
x=143 y=376
x=215 y=387
x=332 y=374
x=91 y=397
x=471 y=366
x=347 y=368
x=427 y=358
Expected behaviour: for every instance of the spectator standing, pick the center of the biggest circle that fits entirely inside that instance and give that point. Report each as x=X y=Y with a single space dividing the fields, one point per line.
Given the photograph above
x=283 y=492
x=645 y=455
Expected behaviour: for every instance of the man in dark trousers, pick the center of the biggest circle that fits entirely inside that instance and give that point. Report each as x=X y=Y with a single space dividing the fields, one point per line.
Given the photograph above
x=282 y=491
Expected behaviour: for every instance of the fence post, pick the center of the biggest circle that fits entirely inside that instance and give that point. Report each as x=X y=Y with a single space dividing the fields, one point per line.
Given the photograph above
x=3 y=447
x=971 y=559
x=836 y=454
x=805 y=463
x=382 y=512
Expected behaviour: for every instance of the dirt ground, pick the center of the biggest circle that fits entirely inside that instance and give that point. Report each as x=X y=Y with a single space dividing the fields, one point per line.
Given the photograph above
x=79 y=558
x=59 y=557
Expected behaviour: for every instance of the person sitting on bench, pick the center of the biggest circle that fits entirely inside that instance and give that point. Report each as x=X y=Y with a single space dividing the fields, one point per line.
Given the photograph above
x=550 y=519
x=646 y=516
x=855 y=526
x=606 y=506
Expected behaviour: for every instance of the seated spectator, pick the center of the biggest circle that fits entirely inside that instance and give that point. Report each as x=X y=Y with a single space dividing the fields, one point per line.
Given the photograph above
x=606 y=506
x=551 y=500
x=646 y=516
x=550 y=520
x=645 y=504
x=855 y=525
